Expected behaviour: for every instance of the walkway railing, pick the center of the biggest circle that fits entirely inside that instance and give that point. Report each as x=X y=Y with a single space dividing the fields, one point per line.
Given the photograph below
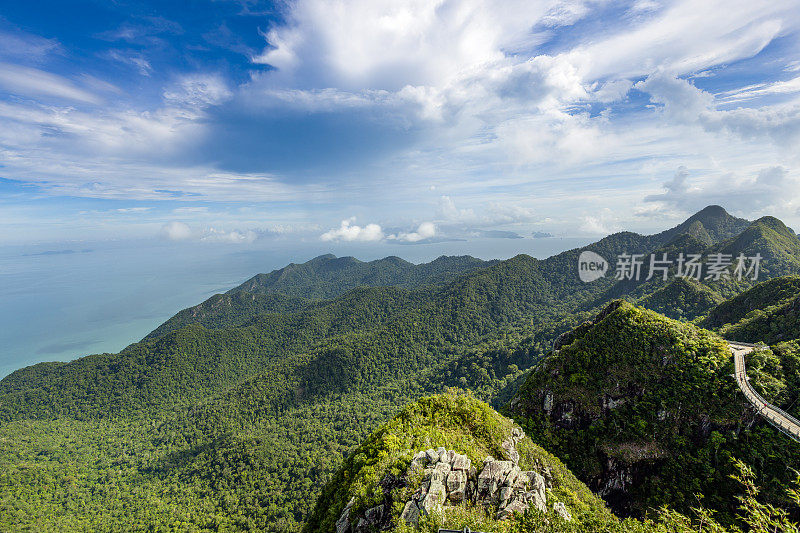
x=780 y=419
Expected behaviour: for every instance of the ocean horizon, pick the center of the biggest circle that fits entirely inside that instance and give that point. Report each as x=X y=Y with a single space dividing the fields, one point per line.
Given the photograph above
x=62 y=301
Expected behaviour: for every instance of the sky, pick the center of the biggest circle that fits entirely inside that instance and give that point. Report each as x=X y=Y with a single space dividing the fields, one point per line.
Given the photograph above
x=399 y=121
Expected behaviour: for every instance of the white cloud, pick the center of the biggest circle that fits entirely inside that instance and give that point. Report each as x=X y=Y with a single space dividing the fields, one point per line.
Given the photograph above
x=27 y=81
x=233 y=236
x=133 y=209
x=426 y=230
x=770 y=188
x=198 y=90
x=686 y=37
x=192 y=210
x=470 y=70
x=180 y=231
x=134 y=59
x=348 y=231
x=683 y=103
x=388 y=44
x=449 y=212
x=491 y=214
x=176 y=231
x=681 y=100
x=759 y=90
x=602 y=223
x=23 y=45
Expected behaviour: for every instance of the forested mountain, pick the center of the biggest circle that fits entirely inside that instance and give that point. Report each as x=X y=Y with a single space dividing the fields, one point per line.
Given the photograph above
x=469 y=467
x=645 y=411
x=294 y=286
x=328 y=276
x=234 y=413
x=711 y=225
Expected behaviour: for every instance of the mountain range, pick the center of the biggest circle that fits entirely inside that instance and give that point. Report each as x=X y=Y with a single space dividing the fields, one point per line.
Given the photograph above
x=237 y=413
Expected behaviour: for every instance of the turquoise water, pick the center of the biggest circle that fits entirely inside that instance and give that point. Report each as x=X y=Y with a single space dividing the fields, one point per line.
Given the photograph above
x=63 y=301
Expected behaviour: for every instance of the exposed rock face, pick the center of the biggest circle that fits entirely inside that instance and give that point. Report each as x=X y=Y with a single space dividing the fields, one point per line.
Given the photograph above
x=450 y=479
x=500 y=486
x=562 y=511
x=343 y=524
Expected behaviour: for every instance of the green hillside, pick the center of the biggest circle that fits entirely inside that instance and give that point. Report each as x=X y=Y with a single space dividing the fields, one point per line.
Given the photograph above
x=456 y=423
x=390 y=474
x=328 y=276
x=682 y=298
x=292 y=287
x=768 y=236
x=645 y=411
x=230 y=310
x=765 y=294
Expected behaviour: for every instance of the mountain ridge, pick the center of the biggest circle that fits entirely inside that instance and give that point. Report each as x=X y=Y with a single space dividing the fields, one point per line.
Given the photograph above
x=247 y=403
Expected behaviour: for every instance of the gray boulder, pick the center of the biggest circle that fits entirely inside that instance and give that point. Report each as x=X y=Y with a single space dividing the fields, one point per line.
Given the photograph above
x=562 y=511
x=410 y=513
x=517 y=505
x=343 y=524
x=456 y=486
x=461 y=462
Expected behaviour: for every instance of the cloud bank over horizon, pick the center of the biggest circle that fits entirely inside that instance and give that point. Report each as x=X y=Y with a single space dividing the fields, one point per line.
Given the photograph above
x=411 y=121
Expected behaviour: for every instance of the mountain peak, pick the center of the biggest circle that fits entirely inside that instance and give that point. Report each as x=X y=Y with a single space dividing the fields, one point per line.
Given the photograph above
x=323 y=257
x=712 y=211
x=719 y=225
x=712 y=216
x=774 y=223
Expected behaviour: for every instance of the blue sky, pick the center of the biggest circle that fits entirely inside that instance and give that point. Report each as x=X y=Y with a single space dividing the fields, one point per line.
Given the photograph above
x=392 y=121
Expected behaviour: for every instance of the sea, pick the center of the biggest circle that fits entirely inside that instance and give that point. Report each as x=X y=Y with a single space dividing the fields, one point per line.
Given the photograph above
x=61 y=301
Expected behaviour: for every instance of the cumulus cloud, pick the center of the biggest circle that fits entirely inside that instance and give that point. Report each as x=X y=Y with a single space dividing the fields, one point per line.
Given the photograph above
x=683 y=103
x=604 y=222
x=678 y=98
x=449 y=212
x=233 y=236
x=349 y=231
x=176 y=231
x=426 y=230
x=771 y=187
x=180 y=231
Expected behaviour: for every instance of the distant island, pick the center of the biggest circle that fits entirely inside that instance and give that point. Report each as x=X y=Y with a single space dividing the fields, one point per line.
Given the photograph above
x=541 y=235
x=58 y=252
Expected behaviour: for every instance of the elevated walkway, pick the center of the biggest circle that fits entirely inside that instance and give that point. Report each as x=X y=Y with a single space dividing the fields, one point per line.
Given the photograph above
x=782 y=420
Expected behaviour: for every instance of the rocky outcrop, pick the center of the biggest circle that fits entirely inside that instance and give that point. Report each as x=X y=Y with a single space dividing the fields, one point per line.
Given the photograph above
x=450 y=479
x=500 y=486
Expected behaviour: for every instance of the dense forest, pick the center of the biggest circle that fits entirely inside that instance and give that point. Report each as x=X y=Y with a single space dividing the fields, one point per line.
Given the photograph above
x=643 y=408
x=235 y=413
